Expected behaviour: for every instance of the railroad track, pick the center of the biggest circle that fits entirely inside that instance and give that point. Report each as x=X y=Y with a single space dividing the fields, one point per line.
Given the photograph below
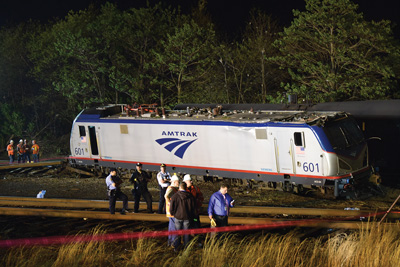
x=10 y=167
x=98 y=209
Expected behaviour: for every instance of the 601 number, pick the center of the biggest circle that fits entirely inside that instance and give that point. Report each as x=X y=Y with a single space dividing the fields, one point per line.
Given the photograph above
x=310 y=167
x=79 y=151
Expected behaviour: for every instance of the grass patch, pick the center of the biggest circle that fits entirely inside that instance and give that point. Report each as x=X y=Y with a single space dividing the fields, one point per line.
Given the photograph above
x=371 y=246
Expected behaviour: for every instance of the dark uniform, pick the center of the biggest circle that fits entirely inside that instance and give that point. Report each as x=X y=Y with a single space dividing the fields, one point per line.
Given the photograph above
x=114 y=192
x=139 y=180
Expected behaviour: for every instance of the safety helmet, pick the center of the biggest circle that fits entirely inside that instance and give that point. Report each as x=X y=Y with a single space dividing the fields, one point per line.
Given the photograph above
x=174 y=178
x=187 y=177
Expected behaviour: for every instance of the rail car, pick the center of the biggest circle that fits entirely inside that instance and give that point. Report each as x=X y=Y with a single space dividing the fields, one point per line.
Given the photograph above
x=294 y=149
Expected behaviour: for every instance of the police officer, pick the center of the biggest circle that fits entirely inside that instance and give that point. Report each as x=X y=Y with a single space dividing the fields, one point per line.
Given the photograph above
x=114 y=191
x=164 y=180
x=139 y=179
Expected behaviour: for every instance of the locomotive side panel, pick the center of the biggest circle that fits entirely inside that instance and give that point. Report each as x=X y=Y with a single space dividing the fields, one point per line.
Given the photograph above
x=227 y=148
x=224 y=150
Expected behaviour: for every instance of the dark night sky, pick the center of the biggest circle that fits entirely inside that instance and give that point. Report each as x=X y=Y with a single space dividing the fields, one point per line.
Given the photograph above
x=228 y=15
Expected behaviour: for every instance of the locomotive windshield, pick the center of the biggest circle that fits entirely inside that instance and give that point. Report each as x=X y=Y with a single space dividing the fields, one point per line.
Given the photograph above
x=344 y=133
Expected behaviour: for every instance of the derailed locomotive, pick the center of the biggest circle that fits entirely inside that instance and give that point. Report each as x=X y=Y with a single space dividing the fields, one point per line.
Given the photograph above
x=294 y=149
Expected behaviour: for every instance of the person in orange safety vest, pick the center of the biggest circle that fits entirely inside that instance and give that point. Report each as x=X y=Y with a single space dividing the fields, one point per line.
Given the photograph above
x=10 y=150
x=35 y=151
x=21 y=151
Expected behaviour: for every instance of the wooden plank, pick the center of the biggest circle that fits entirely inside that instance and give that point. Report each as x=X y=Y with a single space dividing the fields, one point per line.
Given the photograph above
x=162 y=218
x=29 y=165
x=82 y=214
x=103 y=204
x=69 y=168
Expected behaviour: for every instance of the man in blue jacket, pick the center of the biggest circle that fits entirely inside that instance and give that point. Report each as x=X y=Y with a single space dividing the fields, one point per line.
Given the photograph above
x=219 y=205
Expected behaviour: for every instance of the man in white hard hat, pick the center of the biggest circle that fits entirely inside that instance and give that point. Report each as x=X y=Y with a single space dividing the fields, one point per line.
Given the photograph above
x=21 y=151
x=198 y=196
x=171 y=190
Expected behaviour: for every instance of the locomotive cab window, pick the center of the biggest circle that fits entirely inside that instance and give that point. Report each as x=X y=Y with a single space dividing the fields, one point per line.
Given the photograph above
x=344 y=134
x=82 y=131
x=298 y=139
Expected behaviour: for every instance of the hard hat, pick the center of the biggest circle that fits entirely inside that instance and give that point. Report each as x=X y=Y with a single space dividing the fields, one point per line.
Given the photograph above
x=187 y=177
x=12 y=141
x=21 y=141
x=174 y=178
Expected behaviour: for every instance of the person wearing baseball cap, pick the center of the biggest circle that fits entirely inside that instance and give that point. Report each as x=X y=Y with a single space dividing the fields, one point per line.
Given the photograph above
x=114 y=191
x=198 y=196
x=139 y=179
x=164 y=180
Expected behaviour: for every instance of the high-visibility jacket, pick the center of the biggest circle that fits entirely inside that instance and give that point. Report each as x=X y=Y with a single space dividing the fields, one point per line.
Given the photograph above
x=198 y=196
x=10 y=150
x=21 y=149
x=35 y=149
x=171 y=190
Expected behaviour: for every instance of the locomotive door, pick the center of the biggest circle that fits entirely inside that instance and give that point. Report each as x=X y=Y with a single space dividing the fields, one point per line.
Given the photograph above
x=94 y=149
x=284 y=151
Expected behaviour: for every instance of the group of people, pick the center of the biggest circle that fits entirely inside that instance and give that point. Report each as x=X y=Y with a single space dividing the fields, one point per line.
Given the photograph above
x=180 y=201
x=23 y=151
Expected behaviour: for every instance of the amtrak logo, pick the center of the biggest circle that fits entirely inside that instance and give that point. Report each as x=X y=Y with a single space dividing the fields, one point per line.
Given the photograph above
x=172 y=143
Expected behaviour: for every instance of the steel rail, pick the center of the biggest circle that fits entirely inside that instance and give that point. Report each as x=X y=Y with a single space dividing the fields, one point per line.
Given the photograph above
x=27 y=165
x=162 y=218
x=103 y=204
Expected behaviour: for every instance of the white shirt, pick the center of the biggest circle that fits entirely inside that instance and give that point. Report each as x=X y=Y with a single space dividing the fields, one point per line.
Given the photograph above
x=161 y=176
x=109 y=183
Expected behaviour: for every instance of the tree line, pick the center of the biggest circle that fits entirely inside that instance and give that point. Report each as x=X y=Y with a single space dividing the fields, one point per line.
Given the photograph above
x=157 y=54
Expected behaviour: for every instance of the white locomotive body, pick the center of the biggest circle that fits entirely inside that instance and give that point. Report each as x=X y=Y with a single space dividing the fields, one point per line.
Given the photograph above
x=324 y=149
